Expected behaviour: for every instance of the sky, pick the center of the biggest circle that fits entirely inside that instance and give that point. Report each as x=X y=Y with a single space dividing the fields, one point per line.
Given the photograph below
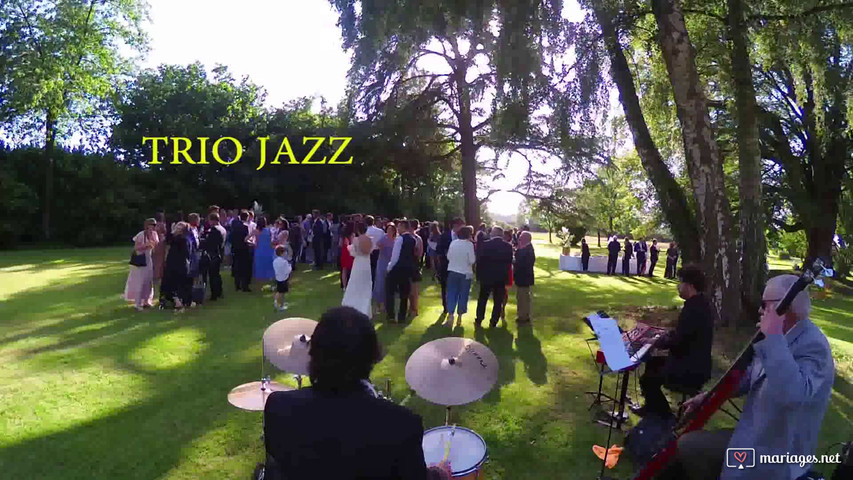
x=266 y=39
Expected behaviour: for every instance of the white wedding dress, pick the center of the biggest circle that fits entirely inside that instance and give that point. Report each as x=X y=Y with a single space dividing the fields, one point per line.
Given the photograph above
x=360 y=286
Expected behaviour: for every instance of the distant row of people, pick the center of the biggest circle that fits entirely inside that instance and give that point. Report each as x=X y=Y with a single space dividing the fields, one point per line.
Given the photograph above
x=643 y=253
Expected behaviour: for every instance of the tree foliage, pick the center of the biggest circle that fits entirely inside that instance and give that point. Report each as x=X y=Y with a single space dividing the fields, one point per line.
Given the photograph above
x=60 y=62
x=487 y=74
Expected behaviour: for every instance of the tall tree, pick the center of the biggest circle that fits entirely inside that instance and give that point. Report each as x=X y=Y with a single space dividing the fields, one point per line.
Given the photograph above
x=488 y=49
x=804 y=85
x=672 y=198
x=704 y=164
x=753 y=242
x=61 y=61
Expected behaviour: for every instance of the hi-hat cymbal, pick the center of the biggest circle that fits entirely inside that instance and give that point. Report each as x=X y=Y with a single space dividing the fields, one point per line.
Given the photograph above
x=452 y=371
x=286 y=344
x=249 y=396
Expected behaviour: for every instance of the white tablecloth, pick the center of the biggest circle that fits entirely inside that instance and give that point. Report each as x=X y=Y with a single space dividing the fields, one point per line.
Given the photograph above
x=571 y=263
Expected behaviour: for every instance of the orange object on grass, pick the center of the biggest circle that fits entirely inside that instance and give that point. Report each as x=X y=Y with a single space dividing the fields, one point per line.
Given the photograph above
x=612 y=454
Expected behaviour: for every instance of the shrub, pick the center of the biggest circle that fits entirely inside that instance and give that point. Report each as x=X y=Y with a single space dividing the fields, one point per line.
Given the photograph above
x=842 y=262
x=793 y=244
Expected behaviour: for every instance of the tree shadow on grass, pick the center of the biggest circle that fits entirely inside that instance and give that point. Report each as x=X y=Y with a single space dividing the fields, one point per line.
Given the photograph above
x=175 y=409
x=148 y=434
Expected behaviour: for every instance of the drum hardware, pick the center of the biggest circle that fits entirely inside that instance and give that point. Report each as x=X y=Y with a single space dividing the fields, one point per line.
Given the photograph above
x=452 y=371
x=286 y=345
x=463 y=448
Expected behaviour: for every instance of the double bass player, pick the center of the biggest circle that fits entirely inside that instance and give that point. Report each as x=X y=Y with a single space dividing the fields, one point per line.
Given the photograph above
x=787 y=387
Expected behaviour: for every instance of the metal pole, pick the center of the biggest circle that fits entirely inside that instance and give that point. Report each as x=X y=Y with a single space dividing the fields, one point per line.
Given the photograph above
x=609 y=433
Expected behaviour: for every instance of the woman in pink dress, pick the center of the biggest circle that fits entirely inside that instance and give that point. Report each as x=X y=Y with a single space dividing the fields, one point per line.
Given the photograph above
x=139 y=288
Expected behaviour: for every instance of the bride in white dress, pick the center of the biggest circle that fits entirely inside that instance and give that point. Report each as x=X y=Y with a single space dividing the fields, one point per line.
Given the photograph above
x=360 y=286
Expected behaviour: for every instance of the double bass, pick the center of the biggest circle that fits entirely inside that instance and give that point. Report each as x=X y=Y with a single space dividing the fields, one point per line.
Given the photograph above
x=728 y=384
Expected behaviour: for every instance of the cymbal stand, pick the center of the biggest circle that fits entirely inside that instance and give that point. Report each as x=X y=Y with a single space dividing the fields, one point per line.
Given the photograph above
x=265 y=381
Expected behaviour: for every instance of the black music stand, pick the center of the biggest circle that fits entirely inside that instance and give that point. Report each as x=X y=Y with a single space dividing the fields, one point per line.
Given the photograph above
x=619 y=399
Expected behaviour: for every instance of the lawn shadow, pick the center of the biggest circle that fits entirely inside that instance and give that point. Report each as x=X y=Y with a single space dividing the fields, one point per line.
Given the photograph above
x=529 y=350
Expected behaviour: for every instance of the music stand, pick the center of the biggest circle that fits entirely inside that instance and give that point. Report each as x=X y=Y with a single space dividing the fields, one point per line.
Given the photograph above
x=617 y=359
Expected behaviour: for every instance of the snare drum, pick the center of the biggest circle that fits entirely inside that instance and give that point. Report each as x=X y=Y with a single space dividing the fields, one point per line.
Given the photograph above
x=468 y=450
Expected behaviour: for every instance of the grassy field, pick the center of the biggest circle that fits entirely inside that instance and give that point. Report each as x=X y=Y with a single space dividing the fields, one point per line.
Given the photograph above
x=91 y=389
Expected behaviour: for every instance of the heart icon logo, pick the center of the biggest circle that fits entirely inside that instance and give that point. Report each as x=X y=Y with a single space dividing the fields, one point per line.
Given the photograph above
x=740 y=456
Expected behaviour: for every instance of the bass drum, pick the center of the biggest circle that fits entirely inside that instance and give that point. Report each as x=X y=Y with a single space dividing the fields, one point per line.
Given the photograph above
x=468 y=451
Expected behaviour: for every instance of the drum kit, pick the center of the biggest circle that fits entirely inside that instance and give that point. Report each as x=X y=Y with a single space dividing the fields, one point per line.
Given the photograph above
x=449 y=371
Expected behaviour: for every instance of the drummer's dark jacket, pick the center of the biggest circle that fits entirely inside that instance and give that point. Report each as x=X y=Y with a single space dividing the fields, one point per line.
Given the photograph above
x=317 y=435
x=689 y=360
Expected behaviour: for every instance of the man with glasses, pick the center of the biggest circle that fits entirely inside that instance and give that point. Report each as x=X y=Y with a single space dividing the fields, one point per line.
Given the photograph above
x=688 y=365
x=787 y=386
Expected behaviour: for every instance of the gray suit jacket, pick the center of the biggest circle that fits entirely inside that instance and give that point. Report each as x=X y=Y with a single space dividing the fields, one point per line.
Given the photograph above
x=788 y=386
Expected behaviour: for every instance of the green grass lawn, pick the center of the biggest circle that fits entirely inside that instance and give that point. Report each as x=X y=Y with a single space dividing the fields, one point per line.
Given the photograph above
x=91 y=389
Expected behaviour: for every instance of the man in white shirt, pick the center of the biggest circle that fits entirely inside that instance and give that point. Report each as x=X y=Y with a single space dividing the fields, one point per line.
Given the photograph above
x=376 y=234
x=400 y=272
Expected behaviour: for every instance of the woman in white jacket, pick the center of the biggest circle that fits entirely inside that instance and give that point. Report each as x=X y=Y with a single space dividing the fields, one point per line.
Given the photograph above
x=460 y=273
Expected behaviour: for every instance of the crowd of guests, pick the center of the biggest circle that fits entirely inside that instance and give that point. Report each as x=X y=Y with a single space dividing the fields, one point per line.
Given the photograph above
x=382 y=264
x=381 y=260
x=647 y=256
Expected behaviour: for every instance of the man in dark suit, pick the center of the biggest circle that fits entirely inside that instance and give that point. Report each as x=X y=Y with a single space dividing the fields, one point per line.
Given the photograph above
x=339 y=428
x=613 y=248
x=640 y=248
x=493 y=273
x=242 y=256
x=688 y=365
x=213 y=250
x=319 y=240
x=525 y=258
x=654 y=253
x=448 y=236
x=626 y=257
x=401 y=270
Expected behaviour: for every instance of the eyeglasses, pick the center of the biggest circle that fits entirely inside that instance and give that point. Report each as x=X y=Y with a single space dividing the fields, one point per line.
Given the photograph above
x=765 y=302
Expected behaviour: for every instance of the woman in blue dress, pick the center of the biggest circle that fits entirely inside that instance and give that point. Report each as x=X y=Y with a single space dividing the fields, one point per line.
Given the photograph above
x=386 y=248
x=264 y=253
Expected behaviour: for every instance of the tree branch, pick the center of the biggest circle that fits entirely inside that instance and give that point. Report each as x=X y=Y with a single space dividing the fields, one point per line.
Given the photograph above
x=804 y=13
x=486 y=198
x=788 y=228
x=30 y=28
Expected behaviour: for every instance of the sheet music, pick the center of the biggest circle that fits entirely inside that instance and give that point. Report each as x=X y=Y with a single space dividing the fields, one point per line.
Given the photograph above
x=612 y=344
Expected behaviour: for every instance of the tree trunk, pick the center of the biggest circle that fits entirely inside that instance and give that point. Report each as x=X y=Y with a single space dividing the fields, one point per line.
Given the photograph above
x=753 y=243
x=49 y=144
x=467 y=146
x=598 y=234
x=703 y=161
x=549 y=235
x=672 y=199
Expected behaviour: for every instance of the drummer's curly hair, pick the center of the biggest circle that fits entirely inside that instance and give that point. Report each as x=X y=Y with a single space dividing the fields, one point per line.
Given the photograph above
x=344 y=348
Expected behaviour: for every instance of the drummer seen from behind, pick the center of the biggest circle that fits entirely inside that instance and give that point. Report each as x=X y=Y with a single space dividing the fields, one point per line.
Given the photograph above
x=339 y=428
x=787 y=388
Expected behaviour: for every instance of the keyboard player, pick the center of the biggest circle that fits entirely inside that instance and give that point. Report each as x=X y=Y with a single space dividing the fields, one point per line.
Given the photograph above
x=688 y=365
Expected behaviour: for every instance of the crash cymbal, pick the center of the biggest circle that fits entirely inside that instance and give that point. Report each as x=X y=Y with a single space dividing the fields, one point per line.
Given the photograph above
x=249 y=396
x=286 y=344
x=452 y=371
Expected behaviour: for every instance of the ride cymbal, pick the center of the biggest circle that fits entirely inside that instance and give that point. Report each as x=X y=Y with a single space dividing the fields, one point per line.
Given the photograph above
x=286 y=344
x=452 y=371
x=250 y=396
